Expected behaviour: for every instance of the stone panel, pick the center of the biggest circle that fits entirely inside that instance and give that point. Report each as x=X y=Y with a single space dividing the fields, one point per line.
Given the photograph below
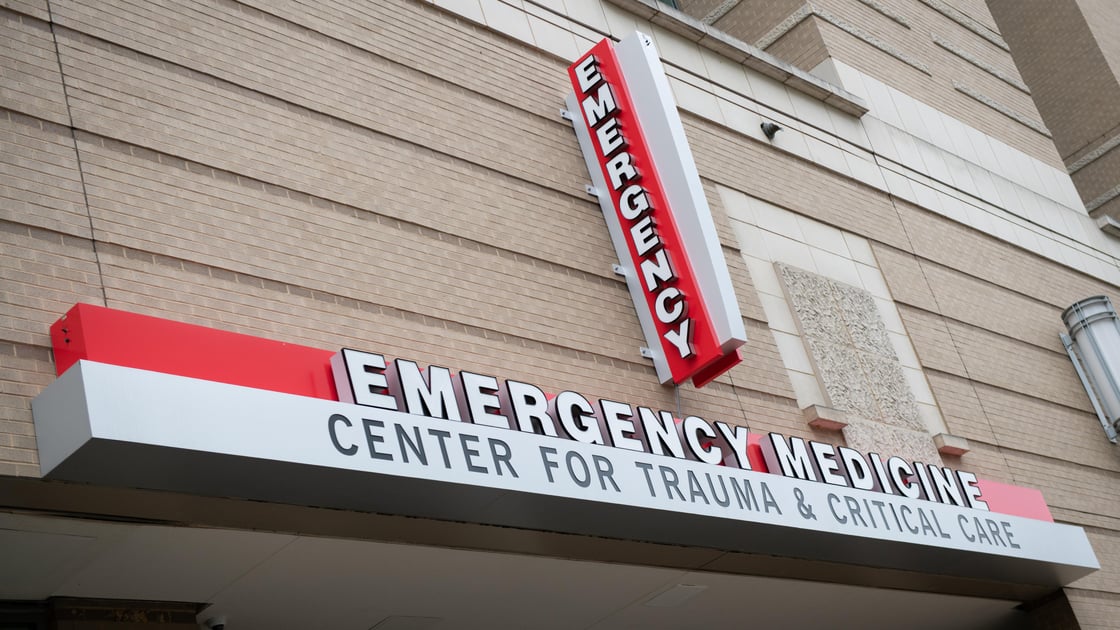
x=876 y=437
x=860 y=316
x=852 y=354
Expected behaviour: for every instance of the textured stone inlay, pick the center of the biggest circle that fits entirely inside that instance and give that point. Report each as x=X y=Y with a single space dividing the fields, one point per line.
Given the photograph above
x=876 y=437
x=851 y=351
x=860 y=316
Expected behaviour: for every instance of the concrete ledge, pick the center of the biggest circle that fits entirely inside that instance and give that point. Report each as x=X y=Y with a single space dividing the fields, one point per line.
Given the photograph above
x=719 y=42
x=950 y=444
x=825 y=418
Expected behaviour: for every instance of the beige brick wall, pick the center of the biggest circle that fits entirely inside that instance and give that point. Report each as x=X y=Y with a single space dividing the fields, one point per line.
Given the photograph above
x=1100 y=176
x=984 y=305
x=963 y=411
x=932 y=340
x=803 y=46
x=415 y=192
x=1095 y=610
x=981 y=256
x=904 y=55
x=748 y=20
x=34 y=8
x=939 y=92
x=780 y=178
x=1069 y=54
x=31 y=83
x=1047 y=51
x=42 y=186
x=1101 y=17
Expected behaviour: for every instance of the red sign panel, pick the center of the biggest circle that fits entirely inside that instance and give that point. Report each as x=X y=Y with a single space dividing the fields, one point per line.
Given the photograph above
x=657 y=254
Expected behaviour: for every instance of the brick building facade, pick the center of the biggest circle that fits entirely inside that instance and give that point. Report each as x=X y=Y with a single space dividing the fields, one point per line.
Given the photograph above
x=397 y=175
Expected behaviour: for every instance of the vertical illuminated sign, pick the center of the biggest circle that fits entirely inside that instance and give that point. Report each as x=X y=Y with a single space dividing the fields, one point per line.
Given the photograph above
x=650 y=193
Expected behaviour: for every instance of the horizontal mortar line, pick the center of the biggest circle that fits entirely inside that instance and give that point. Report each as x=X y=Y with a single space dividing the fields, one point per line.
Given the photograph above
x=1051 y=458
x=1092 y=156
x=1001 y=388
x=246 y=181
x=1076 y=511
x=994 y=105
x=356 y=45
x=191 y=266
x=240 y=277
x=884 y=162
x=336 y=121
x=982 y=65
x=605 y=279
x=21 y=349
x=991 y=284
x=1060 y=353
x=968 y=274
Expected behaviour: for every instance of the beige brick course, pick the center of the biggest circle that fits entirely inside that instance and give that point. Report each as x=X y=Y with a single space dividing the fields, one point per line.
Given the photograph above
x=1033 y=425
x=932 y=340
x=1066 y=484
x=34 y=8
x=1063 y=515
x=981 y=304
x=905 y=279
x=996 y=360
x=352 y=254
x=248 y=48
x=24 y=371
x=759 y=170
x=1106 y=544
x=978 y=255
x=31 y=83
x=42 y=274
x=961 y=407
x=429 y=40
x=985 y=461
x=1095 y=610
x=39 y=180
x=322 y=157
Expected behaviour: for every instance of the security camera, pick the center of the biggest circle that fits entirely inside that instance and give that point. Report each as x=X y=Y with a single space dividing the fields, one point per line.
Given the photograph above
x=216 y=623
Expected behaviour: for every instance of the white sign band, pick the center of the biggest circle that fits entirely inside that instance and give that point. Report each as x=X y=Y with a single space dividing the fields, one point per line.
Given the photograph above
x=122 y=426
